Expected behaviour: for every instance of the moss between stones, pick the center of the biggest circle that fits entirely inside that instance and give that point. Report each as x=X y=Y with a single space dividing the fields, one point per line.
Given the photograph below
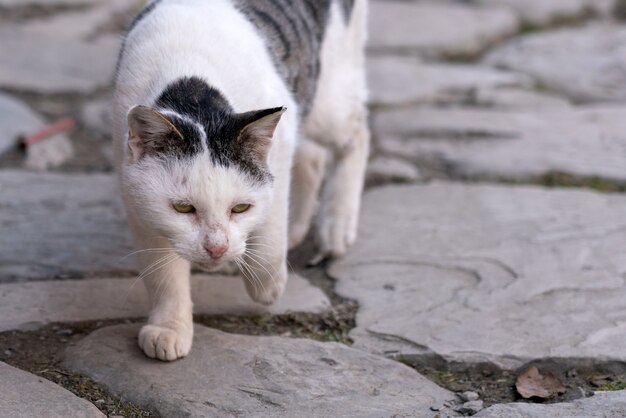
x=332 y=326
x=612 y=386
x=601 y=184
x=559 y=21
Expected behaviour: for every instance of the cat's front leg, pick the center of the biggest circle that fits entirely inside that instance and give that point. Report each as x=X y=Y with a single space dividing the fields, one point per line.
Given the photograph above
x=169 y=331
x=264 y=264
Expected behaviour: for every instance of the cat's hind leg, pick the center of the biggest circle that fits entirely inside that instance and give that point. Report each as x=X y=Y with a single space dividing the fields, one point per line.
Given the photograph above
x=307 y=175
x=337 y=221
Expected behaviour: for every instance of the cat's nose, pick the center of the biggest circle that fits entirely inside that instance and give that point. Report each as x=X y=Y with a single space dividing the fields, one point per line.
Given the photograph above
x=216 y=251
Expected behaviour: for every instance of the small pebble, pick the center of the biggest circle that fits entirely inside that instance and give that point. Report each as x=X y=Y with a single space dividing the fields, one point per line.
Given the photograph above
x=469 y=396
x=471 y=408
x=65 y=332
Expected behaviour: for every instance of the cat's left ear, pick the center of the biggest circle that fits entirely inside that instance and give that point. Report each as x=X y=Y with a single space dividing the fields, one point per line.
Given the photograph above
x=255 y=138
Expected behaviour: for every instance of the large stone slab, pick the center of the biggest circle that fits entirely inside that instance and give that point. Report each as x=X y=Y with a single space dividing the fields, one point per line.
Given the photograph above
x=542 y=12
x=515 y=98
x=437 y=28
x=498 y=274
x=401 y=80
x=34 y=304
x=587 y=64
x=23 y=395
x=512 y=143
x=601 y=405
x=49 y=3
x=66 y=52
x=16 y=118
x=246 y=376
x=61 y=225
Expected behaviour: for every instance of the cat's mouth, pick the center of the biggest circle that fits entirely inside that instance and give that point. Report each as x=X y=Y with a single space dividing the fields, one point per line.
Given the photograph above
x=210 y=266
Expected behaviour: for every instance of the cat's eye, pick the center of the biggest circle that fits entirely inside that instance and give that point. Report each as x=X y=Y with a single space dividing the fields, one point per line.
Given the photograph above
x=240 y=208
x=183 y=207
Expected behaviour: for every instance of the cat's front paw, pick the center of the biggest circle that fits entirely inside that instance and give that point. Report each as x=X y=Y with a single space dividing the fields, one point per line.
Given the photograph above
x=266 y=290
x=164 y=343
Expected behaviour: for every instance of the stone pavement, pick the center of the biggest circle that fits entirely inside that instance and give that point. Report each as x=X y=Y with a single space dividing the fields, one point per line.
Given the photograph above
x=466 y=260
x=236 y=375
x=23 y=395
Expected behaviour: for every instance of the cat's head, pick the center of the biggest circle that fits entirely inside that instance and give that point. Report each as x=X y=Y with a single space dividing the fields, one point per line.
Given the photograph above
x=201 y=182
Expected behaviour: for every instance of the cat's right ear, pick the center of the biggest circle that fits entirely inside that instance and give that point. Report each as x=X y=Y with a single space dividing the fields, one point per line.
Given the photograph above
x=147 y=128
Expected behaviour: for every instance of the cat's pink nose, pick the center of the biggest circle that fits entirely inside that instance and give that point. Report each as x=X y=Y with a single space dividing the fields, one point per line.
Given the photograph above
x=216 y=251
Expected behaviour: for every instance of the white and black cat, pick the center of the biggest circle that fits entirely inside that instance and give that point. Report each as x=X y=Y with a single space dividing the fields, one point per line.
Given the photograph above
x=221 y=107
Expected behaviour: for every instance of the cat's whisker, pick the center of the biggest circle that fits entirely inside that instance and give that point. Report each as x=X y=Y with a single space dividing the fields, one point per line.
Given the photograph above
x=163 y=280
x=254 y=257
x=153 y=267
x=145 y=250
x=142 y=274
x=253 y=273
x=260 y=244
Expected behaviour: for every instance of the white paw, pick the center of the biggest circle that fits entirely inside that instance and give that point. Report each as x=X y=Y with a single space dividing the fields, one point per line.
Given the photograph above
x=266 y=291
x=337 y=232
x=164 y=343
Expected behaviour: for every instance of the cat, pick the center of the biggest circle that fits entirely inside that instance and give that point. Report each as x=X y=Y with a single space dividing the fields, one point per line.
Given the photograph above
x=222 y=110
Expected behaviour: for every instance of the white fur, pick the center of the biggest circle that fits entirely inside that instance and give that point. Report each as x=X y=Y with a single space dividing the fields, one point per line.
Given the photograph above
x=195 y=38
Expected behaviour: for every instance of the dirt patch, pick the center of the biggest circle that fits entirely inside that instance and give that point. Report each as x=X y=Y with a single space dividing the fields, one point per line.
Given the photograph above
x=581 y=377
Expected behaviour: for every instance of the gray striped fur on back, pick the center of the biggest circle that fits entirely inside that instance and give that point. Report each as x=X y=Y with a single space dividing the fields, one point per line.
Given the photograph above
x=294 y=30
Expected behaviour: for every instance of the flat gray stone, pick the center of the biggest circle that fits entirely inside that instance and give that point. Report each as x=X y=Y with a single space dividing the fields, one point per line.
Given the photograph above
x=96 y=116
x=13 y=3
x=51 y=65
x=34 y=304
x=24 y=395
x=586 y=64
x=542 y=12
x=496 y=274
x=437 y=28
x=515 y=98
x=62 y=53
x=601 y=405
x=61 y=225
x=246 y=376
x=511 y=144
x=401 y=80
x=16 y=119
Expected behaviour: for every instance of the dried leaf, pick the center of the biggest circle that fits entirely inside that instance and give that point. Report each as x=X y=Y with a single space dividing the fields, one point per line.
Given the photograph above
x=600 y=380
x=531 y=383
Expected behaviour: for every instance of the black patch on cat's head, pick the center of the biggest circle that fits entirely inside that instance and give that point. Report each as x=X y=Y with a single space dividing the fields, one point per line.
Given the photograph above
x=193 y=98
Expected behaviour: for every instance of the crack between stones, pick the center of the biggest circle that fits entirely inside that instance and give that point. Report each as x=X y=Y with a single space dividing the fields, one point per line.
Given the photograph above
x=264 y=399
